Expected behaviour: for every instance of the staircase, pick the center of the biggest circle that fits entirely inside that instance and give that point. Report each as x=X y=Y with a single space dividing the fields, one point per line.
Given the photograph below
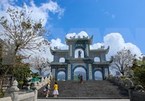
x=89 y=89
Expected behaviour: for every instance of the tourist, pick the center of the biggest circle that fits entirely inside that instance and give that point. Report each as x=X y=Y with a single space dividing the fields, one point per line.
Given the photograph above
x=55 y=91
x=81 y=79
x=44 y=90
x=48 y=90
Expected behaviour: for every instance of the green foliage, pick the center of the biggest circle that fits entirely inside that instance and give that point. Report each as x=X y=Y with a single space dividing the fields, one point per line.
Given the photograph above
x=139 y=73
x=1 y=94
x=20 y=71
x=35 y=75
x=3 y=68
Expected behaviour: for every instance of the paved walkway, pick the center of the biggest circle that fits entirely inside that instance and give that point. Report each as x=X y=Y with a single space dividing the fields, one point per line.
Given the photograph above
x=83 y=100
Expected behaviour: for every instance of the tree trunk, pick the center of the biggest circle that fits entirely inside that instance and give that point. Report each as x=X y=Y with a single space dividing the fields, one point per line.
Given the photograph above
x=122 y=72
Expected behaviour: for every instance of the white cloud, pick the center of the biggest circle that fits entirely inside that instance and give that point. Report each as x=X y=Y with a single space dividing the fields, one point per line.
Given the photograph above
x=52 y=7
x=116 y=43
x=81 y=35
x=57 y=43
x=38 y=12
x=133 y=48
x=96 y=45
x=70 y=35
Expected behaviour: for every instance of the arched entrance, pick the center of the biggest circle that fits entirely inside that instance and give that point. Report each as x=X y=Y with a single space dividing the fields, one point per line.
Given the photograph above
x=79 y=71
x=61 y=75
x=98 y=75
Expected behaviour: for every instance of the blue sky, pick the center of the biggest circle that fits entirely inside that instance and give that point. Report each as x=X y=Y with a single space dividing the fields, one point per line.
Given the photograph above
x=95 y=17
x=100 y=17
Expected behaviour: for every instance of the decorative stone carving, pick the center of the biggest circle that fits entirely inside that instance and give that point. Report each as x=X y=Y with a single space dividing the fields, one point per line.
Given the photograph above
x=14 y=87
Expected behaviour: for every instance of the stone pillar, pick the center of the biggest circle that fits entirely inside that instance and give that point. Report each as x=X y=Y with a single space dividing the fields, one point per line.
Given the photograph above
x=103 y=73
x=108 y=71
x=53 y=73
x=71 y=54
x=87 y=50
x=69 y=72
x=15 y=96
x=14 y=90
x=35 y=95
x=90 y=72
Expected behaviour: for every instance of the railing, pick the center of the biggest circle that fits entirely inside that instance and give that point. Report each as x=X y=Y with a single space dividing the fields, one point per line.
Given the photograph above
x=15 y=95
x=6 y=99
x=135 y=92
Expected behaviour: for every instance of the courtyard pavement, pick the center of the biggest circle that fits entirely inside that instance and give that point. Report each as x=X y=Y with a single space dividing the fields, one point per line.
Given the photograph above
x=83 y=100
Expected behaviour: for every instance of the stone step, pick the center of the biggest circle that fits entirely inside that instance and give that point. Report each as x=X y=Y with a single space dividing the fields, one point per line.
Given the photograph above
x=83 y=100
x=89 y=89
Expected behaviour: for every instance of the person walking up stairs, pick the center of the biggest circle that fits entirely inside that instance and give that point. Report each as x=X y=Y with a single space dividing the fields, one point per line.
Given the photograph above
x=55 y=91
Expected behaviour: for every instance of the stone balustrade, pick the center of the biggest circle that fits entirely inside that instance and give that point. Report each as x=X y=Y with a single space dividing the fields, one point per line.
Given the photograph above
x=43 y=82
x=136 y=92
x=15 y=95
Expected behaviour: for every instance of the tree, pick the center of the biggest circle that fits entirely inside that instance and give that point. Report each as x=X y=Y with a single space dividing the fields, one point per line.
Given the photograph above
x=139 y=71
x=3 y=68
x=20 y=33
x=123 y=60
x=21 y=71
x=40 y=64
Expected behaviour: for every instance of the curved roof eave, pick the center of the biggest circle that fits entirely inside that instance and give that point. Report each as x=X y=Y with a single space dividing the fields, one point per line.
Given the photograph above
x=101 y=50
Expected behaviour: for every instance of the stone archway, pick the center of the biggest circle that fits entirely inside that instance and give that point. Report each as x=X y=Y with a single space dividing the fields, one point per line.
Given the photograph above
x=61 y=76
x=98 y=75
x=79 y=70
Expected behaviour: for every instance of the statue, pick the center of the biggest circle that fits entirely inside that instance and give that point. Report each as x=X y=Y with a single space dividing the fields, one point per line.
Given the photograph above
x=79 y=54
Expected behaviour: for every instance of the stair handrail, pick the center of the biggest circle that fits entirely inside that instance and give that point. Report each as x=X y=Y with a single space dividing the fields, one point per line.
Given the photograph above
x=128 y=83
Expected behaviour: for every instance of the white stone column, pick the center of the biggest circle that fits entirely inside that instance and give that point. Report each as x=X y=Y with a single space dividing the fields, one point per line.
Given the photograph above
x=53 y=73
x=14 y=91
x=35 y=95
x=15 y=96
x=71 y=51
x=87 y=49
x=69 y=72
x=90 y=72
